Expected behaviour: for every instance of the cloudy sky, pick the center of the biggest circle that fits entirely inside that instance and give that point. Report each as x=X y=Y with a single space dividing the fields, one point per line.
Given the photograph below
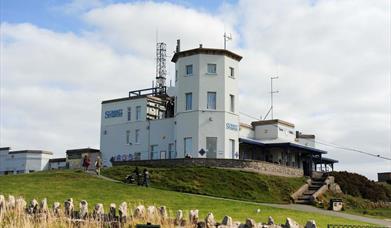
x=60 y=59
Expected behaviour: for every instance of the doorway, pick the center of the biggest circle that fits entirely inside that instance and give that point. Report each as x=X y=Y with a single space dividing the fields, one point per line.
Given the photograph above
x=211 y=147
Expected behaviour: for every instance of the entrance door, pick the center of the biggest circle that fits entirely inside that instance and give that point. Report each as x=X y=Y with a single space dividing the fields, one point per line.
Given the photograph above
x=211 y=147
x=163 y=154
x=306 y=168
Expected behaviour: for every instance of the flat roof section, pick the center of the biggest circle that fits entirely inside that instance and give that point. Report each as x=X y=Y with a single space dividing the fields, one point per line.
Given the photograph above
x=57 y=160
x=268 y=144
x=207 y=51
x=270 y=122
x=30 y=152
x=82 y=150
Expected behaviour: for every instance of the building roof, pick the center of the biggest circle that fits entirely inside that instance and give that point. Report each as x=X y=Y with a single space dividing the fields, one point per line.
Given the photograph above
x=324 y=160
x=82 y=150
x=57 y=160
x=269 y=143
x=31 y=152
x=305 y=136
x=271 y=122
x=122 y=99
x=5 y=148
x=207 y=51
x=246 y=125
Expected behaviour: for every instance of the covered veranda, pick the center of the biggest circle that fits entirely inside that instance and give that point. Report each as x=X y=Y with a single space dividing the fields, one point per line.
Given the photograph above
x=286 y=153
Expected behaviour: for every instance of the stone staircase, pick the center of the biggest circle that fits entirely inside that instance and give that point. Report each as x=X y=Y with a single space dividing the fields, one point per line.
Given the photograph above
x=305 y=197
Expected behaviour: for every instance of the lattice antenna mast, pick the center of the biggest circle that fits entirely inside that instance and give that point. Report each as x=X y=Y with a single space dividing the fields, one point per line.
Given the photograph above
x=161 y=69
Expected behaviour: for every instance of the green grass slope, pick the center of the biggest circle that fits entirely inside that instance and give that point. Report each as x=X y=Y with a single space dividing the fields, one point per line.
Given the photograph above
x=225 y=183
x=60 y=185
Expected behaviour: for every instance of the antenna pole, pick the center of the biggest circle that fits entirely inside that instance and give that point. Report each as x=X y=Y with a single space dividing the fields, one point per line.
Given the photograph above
x=226 y=38
x=271 y=95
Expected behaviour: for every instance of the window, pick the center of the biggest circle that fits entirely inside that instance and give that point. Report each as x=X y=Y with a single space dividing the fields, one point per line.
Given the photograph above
x=231 y=72
x=189 y=101
x=154 y=153
x=138 y=112
x=211 y=100
x=176 y=75
x=137 y=136
x=137 y=156
x=127 y=137
x=212 y=68
x=232 y=103
x=188 y=145
x=189 y=70
x=232 y=148
x=129 y=113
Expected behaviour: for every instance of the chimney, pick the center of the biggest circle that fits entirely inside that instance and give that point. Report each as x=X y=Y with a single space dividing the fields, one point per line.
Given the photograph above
x=298 y=134
x=178 y=45
x=200 y=45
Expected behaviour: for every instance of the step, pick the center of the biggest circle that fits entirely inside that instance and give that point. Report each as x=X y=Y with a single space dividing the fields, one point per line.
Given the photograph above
x=317 y=182
x=303 y=201
x=304 y=197
x=309 y=193
x=314 y=187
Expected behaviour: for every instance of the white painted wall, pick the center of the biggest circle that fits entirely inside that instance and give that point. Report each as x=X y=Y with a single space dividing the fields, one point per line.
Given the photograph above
x=24 y=162
x=275 y=131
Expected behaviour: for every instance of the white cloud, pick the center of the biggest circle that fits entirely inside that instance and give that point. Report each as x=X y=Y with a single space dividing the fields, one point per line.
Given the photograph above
x=332 y=59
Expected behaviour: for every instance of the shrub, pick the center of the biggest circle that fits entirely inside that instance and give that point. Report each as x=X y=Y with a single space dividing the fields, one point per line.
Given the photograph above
x=359 y=186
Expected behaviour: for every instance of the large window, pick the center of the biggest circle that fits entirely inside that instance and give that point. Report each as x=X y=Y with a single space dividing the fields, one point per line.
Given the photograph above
x=189 y=70
x=188 y=145
x=137 y=136
x=232 y=103
x=127 y=137
x=212 y=68
x=138 y=112
x=189 y=101
x=129 y=114
x=171 y=151
x=211 y=100
x=154 y=152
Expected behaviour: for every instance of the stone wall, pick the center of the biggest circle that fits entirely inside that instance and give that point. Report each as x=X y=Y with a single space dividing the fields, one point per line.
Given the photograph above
x=246 y=165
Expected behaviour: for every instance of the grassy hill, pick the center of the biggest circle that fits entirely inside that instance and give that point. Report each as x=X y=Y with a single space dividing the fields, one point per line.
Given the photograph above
x=60 y=185
x=231 y=184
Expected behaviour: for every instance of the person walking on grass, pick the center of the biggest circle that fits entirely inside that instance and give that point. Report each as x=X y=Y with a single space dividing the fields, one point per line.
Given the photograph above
x=98 y=165
x=86 y=162
x=145 y=178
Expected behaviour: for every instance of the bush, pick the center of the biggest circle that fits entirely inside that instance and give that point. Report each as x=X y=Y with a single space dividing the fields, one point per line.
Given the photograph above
x=359 y=186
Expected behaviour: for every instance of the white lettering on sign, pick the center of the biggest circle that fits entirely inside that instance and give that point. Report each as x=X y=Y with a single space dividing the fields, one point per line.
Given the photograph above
x=233 y=127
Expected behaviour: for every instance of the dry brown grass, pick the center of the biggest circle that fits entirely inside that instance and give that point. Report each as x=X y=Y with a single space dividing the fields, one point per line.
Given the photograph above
x=15 y=214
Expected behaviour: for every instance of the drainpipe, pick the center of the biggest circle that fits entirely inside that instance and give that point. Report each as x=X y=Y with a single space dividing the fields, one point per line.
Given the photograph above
x=149 y=140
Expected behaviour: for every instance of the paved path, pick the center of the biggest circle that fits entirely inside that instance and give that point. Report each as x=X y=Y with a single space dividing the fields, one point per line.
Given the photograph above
x=297 y=207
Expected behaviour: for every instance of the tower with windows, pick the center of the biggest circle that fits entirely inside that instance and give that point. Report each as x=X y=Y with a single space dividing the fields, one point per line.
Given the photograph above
x=206 y=116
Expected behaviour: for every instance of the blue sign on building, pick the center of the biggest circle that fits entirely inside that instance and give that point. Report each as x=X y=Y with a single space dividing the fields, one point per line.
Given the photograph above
x=113 y=113
x=231 y=126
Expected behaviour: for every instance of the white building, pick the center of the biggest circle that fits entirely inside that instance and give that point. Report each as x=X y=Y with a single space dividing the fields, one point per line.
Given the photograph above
x=23 y=161
x=197 y=118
